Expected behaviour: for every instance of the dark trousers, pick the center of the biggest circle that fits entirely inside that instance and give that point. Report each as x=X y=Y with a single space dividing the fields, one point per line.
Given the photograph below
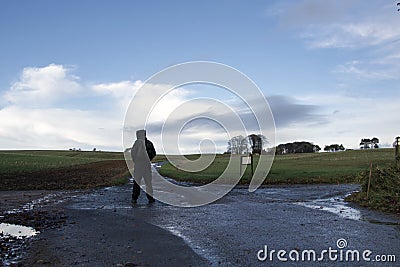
x=136 y=192
x=142 y=171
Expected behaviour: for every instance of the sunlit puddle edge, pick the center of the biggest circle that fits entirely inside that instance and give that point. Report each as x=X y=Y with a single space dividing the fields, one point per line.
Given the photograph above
x=333 y=206
x=338 y=206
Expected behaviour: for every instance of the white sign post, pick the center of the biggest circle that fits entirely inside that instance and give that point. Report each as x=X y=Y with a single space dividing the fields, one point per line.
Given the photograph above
x=246 y=160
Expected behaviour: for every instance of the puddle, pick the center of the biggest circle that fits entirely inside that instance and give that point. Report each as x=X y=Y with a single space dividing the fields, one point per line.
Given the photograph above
x=17 y=231
x=334 y=205
x=338 y=206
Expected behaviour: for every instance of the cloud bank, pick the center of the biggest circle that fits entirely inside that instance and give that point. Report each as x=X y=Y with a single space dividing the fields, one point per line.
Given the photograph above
x=368 y=26
x=52 y=108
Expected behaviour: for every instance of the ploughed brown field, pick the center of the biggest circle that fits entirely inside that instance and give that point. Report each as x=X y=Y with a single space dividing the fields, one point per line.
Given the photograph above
x=87 y=175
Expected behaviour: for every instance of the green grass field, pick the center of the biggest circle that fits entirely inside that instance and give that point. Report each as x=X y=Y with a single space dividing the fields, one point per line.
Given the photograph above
x=335 y=167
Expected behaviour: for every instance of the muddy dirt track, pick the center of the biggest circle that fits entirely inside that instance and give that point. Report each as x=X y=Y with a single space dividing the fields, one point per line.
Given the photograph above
x=95 y=174
x=102 y=229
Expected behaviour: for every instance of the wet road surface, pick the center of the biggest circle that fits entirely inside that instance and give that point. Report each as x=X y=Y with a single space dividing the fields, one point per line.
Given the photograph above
x=232 y=231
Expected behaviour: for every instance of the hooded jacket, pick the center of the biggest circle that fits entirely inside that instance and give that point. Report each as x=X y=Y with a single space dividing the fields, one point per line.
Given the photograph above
x=141 y=147
x=138 y=151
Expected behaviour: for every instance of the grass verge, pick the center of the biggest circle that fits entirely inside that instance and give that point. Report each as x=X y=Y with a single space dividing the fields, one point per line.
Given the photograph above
x=384 y=189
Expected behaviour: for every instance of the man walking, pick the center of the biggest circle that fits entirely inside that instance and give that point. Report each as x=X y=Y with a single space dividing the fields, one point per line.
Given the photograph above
x=142 y=153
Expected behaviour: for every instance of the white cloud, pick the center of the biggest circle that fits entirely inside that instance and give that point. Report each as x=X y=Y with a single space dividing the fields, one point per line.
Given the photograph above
x=167 y=104
x=367 y=26
x=43 y=86
x=52 y=128
x=173 y=123
x=119 y=89
x=368 y=70
x=351 y=34
x=341 y=24
x=41 y=113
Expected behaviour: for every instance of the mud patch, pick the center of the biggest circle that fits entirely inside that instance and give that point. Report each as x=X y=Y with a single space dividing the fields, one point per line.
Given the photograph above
x=90 y=175
x=22 y=221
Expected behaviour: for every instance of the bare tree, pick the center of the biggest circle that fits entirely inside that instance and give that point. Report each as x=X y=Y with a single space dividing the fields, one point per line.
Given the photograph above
x=238 y=145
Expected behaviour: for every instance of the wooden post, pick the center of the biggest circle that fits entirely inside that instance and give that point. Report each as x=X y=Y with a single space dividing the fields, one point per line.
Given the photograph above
x=252 y=168
x=241 y=163
x=369 y=180
x=397 y=151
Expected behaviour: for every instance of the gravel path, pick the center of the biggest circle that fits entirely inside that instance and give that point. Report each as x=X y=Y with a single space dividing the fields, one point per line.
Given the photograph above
x=102 y=229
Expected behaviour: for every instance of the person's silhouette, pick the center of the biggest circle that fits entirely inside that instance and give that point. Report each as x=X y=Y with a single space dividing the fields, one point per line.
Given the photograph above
x=142 y=153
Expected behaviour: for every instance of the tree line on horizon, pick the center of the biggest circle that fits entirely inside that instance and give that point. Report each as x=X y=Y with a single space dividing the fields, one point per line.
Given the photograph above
x=256 y=144
x=367 y=143
x=296 y=147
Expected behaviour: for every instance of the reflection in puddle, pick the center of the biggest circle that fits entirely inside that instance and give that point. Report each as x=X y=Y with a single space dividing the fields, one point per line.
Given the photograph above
x=17 y=231
x=333 y=205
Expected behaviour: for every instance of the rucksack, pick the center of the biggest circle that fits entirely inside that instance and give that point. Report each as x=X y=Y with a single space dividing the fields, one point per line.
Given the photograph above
x=151 y=152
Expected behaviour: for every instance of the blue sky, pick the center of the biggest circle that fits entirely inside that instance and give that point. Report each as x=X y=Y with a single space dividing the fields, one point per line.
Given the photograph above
x=68 y=69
